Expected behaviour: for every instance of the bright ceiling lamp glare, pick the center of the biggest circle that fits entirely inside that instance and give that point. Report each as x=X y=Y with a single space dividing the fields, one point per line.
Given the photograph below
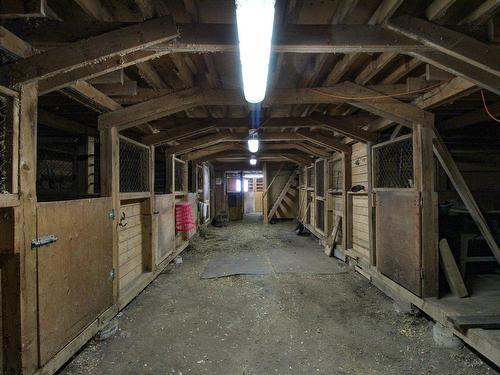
x=253 y=145
x=255 y=29
x=253 y=161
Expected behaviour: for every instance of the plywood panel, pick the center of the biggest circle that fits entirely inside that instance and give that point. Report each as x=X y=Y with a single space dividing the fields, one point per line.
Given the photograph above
x=131 y=244
x=73 y=273
x=398 y=237
x=359 y=165
x=360 y=231
x=165 y=205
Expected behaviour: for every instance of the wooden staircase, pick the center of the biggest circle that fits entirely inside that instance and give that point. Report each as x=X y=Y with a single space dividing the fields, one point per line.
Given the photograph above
x=283 y=206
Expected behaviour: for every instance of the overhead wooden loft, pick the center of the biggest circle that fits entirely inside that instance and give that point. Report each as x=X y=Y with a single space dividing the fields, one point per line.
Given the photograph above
x=379 y=136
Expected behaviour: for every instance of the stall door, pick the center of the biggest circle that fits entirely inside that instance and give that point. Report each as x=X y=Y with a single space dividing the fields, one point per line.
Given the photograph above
x=75 y=279
x=398 y=240
x=166 y=226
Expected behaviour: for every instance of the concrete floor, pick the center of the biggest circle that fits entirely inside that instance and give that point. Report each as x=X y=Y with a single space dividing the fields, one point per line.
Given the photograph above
x=269 y=324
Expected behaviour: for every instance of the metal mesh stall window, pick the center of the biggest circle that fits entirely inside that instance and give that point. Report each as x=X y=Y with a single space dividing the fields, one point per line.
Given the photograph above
x=179 y=173
x=5 y=147
x=134 y=167
x=310 y=177
x=320 y=178
x=320 y=215
x=393 y=164
x=336 y=175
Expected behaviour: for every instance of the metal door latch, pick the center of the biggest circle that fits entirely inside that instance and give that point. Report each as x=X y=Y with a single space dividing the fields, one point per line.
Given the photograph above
x=43 y=241
x=111 y=214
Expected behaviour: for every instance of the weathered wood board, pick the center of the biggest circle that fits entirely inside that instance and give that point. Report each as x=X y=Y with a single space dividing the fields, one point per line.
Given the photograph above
x=166 y=226
x=131 y=242
x=74 y=273
x=398 y=237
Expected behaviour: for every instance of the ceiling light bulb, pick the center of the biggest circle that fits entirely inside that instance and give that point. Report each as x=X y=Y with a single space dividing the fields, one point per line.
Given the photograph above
x=255 y=20
x=253 y=145
x=253 y=161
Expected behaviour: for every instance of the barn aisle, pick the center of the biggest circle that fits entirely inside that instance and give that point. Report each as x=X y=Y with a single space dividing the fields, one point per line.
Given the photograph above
x=274 y=323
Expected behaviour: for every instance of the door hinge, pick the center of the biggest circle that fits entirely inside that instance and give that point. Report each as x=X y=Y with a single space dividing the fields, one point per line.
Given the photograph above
x=43 y=241
x=112 y=214
x=422 y=273
x=112 y=274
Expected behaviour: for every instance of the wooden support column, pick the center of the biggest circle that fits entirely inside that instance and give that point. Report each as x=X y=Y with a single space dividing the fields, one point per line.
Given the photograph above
x=110 y=187
x=346 y=185
x=150 y=219
x=265 y=202
x=20 y=269
x=371 y=207
x=424 y=182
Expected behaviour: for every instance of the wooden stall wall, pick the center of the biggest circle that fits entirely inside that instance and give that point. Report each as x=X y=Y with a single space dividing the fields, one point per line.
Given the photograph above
x=166 y=226
x=131 y=228
x=358 y=237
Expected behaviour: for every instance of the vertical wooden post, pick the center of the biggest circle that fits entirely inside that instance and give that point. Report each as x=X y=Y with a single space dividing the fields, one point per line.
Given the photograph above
x=424 y=183
x=265 y=203
x=371 y=207
x=110 y=187
x=170 y=173
x=150 y=219
x=20 y=271
x=346 y=185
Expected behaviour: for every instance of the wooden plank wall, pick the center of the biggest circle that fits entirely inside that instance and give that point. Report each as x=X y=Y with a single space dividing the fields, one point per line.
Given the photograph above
x=358 y=203
x=130 y=246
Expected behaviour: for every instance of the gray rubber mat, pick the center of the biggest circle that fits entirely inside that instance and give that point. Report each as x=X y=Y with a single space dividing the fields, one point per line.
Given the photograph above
x=223 y=265
x=292 y=260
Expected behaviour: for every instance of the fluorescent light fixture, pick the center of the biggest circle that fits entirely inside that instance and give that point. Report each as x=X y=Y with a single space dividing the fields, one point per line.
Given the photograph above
x=253 y=161
x=255 y=29
x=253 y=145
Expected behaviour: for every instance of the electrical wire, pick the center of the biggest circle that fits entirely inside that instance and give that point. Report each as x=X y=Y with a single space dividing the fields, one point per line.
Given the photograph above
x=374 y=97
x=486 y=108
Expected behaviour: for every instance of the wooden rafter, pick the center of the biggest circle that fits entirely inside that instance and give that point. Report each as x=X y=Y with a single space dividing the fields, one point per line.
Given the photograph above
x=324 y=141
x=84 y=52
x=152 y=110
x=449 y=42
x=349 y=130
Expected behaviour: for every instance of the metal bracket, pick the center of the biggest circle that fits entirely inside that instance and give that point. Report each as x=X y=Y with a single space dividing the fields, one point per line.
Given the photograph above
x=112 y=214
x=43 y=241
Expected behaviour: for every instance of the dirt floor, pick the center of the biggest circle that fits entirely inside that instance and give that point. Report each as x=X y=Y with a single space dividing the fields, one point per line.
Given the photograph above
x=269 y=324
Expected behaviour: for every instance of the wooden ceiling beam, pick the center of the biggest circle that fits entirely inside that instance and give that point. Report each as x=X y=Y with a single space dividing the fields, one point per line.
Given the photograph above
x=440 y=95
x=438 y=8
x=205 y=37
x=200 y=154
x=348 y=130
x=96 y=9
x=84 y=52
x=481 y=14
x=449 y=42
x=287 y=96
x=195 y=144
x=99 y=68
x=151 y=110
x=390 y=108
x=179 y=132
x=459 y=68
x=321 y=140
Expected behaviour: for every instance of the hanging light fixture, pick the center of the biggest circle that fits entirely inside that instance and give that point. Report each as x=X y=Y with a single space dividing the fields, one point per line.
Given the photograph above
x=253 y=161
x=255 y=20
x=253 y=143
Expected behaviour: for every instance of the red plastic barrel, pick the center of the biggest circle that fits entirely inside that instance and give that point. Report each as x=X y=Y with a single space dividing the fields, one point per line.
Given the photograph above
x=184 y=221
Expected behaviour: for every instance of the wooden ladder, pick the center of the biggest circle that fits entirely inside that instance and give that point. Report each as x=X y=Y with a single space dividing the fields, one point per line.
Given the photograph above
x=283 y=193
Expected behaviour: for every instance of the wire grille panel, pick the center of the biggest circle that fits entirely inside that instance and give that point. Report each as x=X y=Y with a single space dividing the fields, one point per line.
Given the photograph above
x=5 y=147
x=134 y=167
x=336 y=176
x=393 y=164
x=320 y=178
